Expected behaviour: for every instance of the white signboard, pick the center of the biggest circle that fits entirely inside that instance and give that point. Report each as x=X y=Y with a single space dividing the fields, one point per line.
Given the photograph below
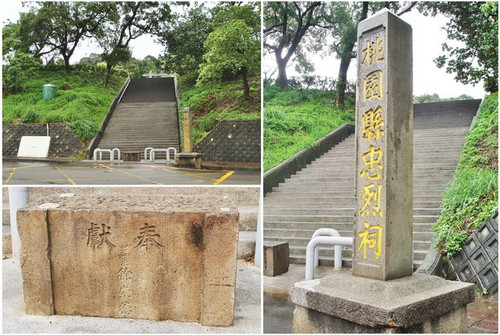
x=34 y=146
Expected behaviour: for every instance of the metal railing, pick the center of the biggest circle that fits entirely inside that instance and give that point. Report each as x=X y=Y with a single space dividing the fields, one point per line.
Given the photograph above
x=325 y=236
x=111 y=153
x=151 y=152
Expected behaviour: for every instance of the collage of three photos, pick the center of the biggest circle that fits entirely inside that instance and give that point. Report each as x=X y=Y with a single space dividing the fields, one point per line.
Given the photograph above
x=249 y=167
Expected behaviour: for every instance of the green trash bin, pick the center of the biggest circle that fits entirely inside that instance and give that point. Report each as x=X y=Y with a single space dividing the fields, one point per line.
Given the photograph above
x=48 y=92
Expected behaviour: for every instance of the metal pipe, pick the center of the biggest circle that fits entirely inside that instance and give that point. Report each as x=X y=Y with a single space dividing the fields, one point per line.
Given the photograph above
x=113 y=153
x=18 y=197
x=331 y=240
x=337 y=248
x=258 y=238
x=146 y=152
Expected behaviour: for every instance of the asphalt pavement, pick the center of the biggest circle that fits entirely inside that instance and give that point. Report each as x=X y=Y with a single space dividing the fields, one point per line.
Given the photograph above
x=127 y=173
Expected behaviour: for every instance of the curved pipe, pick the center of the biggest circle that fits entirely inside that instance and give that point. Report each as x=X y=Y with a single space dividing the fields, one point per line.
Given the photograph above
x=311 y=246
x=337 y=250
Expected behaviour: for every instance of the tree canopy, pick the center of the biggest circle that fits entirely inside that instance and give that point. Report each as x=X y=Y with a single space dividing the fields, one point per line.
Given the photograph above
x=232 y=49
x=475 y=26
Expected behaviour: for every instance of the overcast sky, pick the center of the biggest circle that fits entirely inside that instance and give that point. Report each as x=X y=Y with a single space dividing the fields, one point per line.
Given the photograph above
x=427 y=78
x=427 y=40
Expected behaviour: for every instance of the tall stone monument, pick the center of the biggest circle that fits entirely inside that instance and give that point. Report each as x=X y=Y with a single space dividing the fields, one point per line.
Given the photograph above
x=186 y=126
x=381 y=294
x=187 y=157
x=384 y=149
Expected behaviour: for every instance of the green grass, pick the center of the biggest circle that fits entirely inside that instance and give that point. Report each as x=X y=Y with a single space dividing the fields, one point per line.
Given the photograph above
x=471 y=197
x=295 y=119
x=81 y=101
x=210 y=104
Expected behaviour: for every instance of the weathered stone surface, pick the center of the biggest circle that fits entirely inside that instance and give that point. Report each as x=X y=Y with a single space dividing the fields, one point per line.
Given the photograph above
x=384 y=149
x=35 y=262
x=308 y=321
x=402 y=303
x=276 y=258
x=157 y=258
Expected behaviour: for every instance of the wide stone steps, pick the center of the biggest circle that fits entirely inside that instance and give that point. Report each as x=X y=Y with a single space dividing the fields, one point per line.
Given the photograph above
x=321 y=195
x=145 y=117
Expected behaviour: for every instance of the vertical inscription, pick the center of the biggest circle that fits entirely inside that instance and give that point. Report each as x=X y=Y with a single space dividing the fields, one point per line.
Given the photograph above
x=125 y=281
x=370 y=147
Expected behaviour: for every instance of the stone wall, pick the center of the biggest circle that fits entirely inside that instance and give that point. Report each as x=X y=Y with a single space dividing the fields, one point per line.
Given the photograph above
x=63 y=141
x=477 y=262
x=232 y=142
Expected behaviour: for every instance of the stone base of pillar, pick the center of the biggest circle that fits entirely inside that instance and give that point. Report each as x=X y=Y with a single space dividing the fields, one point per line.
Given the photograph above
x=189 y=159
x=343 y=303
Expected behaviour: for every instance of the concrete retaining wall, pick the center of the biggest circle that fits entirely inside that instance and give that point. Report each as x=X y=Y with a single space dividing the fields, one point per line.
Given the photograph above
x=232 y=142
x=279 y=173
x=63 y=141
x=477 y=262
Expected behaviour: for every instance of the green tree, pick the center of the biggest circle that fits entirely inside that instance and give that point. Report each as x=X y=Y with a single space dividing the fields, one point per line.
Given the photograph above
x=50 y=28
x=475 y=25
x=131 y=20
x=232 y=50
x=285 y=25
x=183 y=38
x=18 y=72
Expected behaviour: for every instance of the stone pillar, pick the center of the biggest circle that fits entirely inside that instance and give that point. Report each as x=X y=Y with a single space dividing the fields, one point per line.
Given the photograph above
x=384 y=149
x=188 y=158
x=186 y=126
x=381 y=295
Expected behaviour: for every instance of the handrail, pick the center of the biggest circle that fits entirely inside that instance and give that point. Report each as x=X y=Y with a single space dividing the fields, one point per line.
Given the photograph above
x=315 y=241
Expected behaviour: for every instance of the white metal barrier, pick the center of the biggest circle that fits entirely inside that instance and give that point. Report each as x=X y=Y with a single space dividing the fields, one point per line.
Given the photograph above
x=111 y=153
x=320 y=238
x=337 y=248
x=146 y=152
x=167 y=151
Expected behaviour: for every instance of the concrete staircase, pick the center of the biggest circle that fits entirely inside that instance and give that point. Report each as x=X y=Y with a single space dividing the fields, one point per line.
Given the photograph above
x=322 y=194
x=145 y=117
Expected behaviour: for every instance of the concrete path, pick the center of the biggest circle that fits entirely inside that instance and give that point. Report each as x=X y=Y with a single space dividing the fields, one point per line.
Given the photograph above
x=247 y=311
x=90 y=173
x=278 y=309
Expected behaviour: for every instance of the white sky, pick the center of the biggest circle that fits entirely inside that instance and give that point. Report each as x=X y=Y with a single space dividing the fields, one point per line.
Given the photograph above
x=427 y=39
x=427 y=78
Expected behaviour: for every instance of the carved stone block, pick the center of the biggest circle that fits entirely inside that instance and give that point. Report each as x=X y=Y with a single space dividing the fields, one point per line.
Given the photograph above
x=156 y=258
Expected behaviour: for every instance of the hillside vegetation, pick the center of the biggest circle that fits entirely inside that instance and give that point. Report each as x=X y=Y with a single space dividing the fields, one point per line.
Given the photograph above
x=295 y=118
x=471 y=197
x=81 y=101
x=212 y=103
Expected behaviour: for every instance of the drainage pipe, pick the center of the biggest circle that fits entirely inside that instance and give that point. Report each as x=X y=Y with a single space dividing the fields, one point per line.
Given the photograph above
x=18 y=197
x=331 y=240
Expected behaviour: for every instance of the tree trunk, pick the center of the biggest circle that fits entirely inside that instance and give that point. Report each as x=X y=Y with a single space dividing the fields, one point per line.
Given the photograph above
x=246 y=87
x=345 y=61
x=108 y=75
x=66 y=64
x=282 y=78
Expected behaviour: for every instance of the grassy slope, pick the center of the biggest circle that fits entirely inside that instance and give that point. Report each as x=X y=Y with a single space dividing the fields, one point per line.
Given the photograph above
x=213 y=103
x=471 y=197
x=81 y=101
x=295 y=119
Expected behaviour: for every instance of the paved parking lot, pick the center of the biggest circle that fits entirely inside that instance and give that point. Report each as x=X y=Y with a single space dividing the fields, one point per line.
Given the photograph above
x=90 y=173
